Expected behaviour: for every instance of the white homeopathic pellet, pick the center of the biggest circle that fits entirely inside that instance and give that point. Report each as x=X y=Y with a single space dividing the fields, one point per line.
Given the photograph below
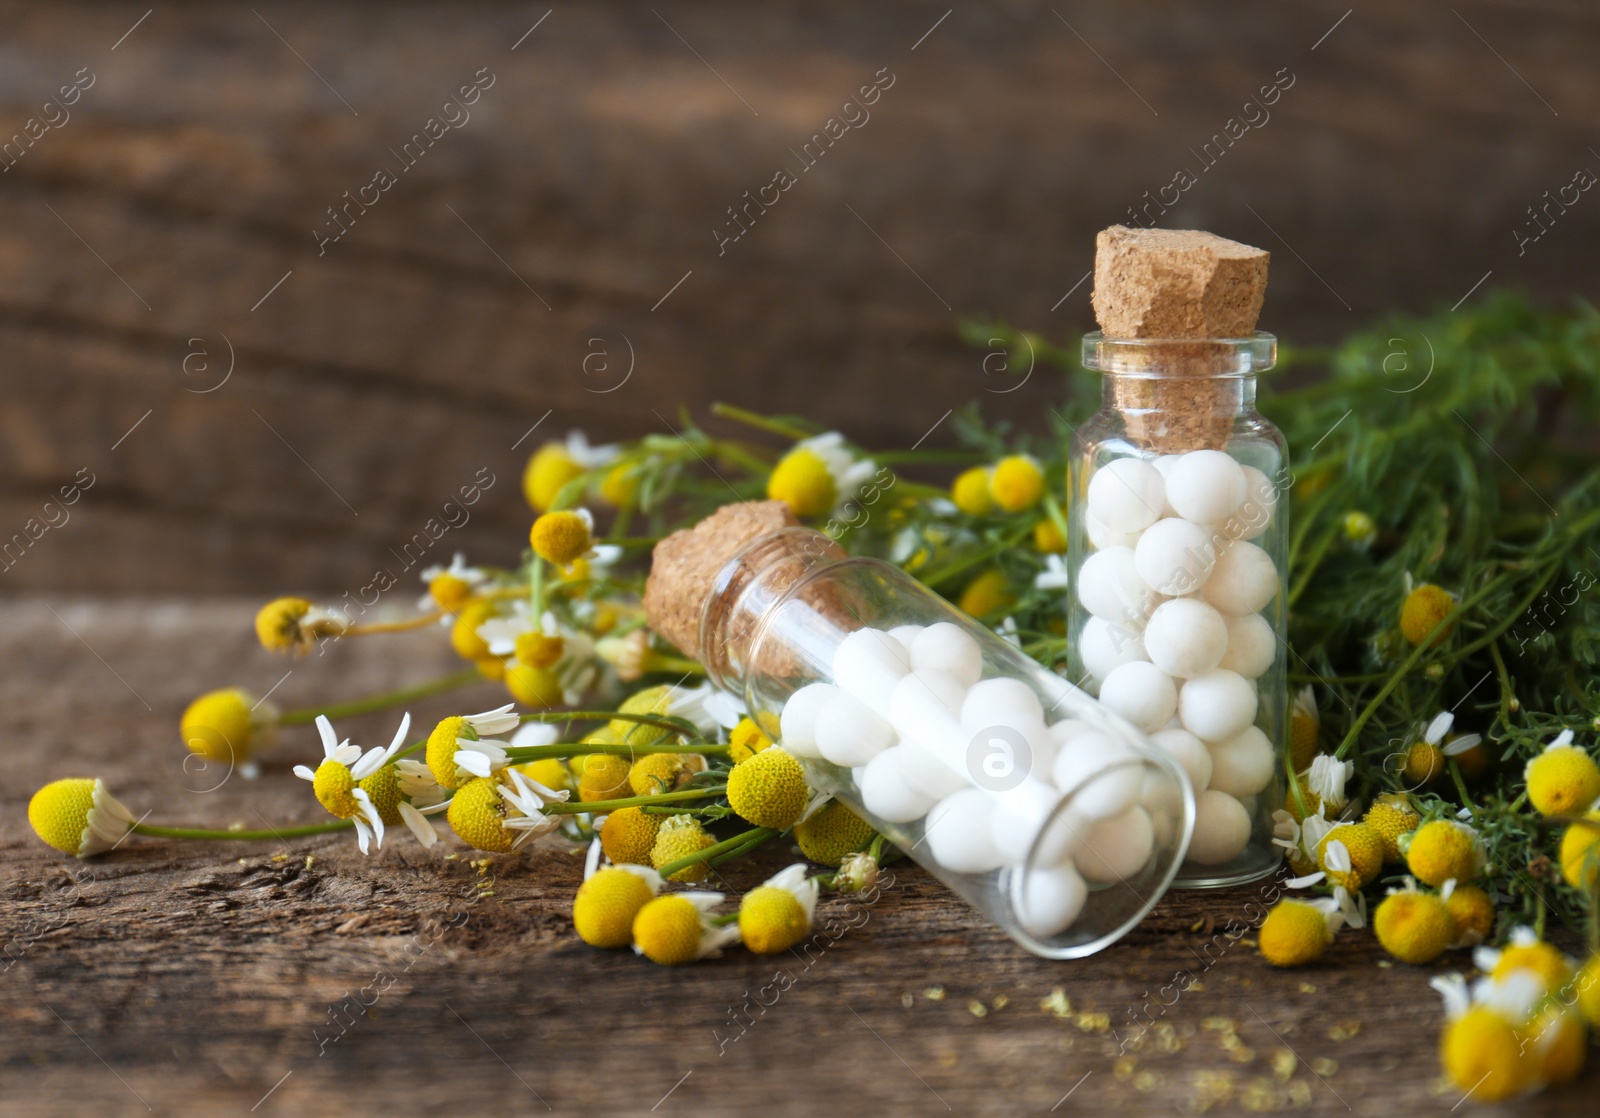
x=959 y=832
x=1255 y=513
x=867 y=664
x=1100 y=773
x=1217 y=705
x=925 y=771
x=885 y=791
x=1101 y=537
x=1127 y=494
x=1205 y=486
x=1243 y=580
x=1221 y=828
x=1252 y=645
x=1020 y=815
x=1190 y=753
x=906 y=634
x=1109 y=587
x=1142 y=693
x=1174 y=556
x=850 y=733
x=1185 y=637
x=797 y=723
x=923 y=697
x=1242 y=765
x=1001 y=702
x=946 y=647
x=1118 y=848
x=1047 y=901
x=1104 y=645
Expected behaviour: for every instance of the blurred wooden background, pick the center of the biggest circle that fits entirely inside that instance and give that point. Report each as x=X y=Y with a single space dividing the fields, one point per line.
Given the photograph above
x=157 y=231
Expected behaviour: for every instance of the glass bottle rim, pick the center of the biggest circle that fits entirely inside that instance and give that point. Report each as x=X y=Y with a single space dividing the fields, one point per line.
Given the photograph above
x=1157 y=357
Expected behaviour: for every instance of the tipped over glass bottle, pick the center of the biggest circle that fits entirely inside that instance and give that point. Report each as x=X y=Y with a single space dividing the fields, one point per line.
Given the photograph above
x=1055 y=818
x=1178 y=556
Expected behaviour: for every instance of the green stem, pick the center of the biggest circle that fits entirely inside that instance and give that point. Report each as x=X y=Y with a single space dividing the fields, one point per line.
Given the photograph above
x=518 y=754
x=629 y=541
x=944 y=574
x=668 y=722
x=759 y=422
x=243 y=836
x=536 y=588
x=734 y=846
x=598 y=807
x=381 y=702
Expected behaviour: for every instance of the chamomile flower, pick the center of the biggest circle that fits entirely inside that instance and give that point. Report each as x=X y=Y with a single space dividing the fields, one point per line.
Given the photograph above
x=1480 y=1050
x=970 y=492
x=1351 y=854
x=79 y=816
x=1473 y=911
x=678 y=928
x=986 y=594
x=339 y=782
x=1304 y=724
x=556 y=464
x=294 y=625
x=459 y=747
x=1047 y=538
x=609 y=901
x=1441 y=850
x=746 y=739
x=656 y=773
x=554 y=663
x=1016 y=483
x=1359 y=529
x=1413 y=926
x=819 y=475
x=564 y=537
x=1580 y=852
x=679 y=837
x=1563 y=779
x=451 y=587
x=832 y=833
x=1297 y=932
x=1526 y=953
x=1391 y=815
x=1300 y=838
x=629 y=834
x=1322 y=785
x=228 y=725
x=1425 y=606
x=777 y=914
x=526 y=799
x=1424 y=760
x=769 y=789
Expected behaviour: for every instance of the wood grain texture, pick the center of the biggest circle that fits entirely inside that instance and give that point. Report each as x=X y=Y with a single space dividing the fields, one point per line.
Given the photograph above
x=190 y=979
x=588 y=180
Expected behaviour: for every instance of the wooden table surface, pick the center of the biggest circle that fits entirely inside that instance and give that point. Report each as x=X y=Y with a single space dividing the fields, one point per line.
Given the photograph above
x=189 y=978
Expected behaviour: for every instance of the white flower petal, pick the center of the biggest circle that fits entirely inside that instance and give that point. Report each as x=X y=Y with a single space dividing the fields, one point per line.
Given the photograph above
x=1439 y=727
x=370 y=810
x=330 y=740
x=591 y=861
x=536 y=733
x=363 y=835
x=418 y=824
x=474 y=762
x=304 y=773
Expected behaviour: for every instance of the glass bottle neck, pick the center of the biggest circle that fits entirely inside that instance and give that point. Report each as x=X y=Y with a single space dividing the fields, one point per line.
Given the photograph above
x=1216 y=396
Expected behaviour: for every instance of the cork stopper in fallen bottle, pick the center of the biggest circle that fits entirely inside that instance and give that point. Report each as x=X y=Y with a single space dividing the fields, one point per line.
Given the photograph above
x=1184 y=286
x=684 y=566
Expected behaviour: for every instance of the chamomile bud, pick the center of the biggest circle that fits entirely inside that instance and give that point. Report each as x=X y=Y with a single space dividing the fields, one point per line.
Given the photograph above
x=970 y=492
x=294 y=625
x=1296 y=933
x=857 y=873
x=1016 y=483
x=607 y=904
x=1563 y=779
x=678 y=928
x=769 y=789
x=1473 y=911
x=832 y=833
x=652 y=700
x=602 y=776
x=1413 y=926
x=539 y=650
x=801 y=480
x=562 y=537
x=535 y=688
x=79 y=816
x=679 y=837
x=549 y=471
x=662 y=772
x=628 y=835
x=746 y=740
x=776 y=915
x=1423 y=609
x=227 y=725
x=1359 y=529
x=1441 y=850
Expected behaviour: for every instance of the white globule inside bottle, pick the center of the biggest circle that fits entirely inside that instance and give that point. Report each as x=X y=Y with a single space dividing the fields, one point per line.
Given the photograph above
x=984 y=766
x=1177 y=639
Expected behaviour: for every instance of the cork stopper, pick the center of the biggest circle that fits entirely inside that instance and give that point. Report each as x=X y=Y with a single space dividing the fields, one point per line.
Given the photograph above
x=684 y=566
x=1187 y=287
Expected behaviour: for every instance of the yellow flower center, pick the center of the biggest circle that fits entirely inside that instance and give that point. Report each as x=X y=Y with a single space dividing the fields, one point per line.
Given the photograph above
x=802 y=480
x=1541 y=958
x=679 y=837
x=620 y=485
x=1293 y=934
x=1303 y=728
x=1017 y=483
x=441 y=751
x=383 y=789
x=560 y=537
x=551 y=772
x=746 y=740
x=333 y=786
x=606 y=905
x=278 y=624
x=539 y=651
x=769 y=789
x=1424 y=608
x=1442 y=850
x=1424 y=762
x=1365 y=849
x=652 y=700
x=833 y=833
x=1562 y=780
x=667 y=931
x=476 y=814
x=538 y=688
x=771 y=920
x=628 y=835
x=1047 y=538
x=1473 y=912
x=1580 y=852
x=548 y=472
x=1391 y=817
x=657 y=773
x=217 y=726
x=1414 y=927
x=59 y=812
x=449 y=592
x=464 y=631
x=986 y=594
x=1481 y=1053
x=602 y=776
x=970 y=492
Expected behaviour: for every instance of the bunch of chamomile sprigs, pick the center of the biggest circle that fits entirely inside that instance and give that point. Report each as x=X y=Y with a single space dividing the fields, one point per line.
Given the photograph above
x=1444 y=623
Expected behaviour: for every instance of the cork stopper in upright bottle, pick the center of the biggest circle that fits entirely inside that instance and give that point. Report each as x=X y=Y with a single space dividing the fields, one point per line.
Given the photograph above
x=1183 y=286
x=684 y=566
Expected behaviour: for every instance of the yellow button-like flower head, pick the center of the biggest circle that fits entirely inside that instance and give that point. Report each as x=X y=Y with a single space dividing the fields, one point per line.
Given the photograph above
x=1351 y=854
x=79 y=816
x=986 y=594
x=1294 y=934
x=769 y=789
x=1580 y=852
x=970 y=492
x=657 y=773
x=549 y=470
x=1017 y=483
x=628 y=835
x=832 y=833
x=1414 y=927
x=679 y=837
x=602 y=776
x=222 y=725
x=606 y=905
x=1424 y=608
x=777 y=915
x=677 y=929
x=464 y=630
x=1563 y=779
x=477 y=815
x=746 y=740
x=801 y=480
x=1473 y=911
x=1444 y=850
x=1481 y=1053
x=562 y=537
x=1391 y=816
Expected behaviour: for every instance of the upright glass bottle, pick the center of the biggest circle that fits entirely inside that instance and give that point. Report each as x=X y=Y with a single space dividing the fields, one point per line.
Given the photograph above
x=1178 y=553
x=1055 y=818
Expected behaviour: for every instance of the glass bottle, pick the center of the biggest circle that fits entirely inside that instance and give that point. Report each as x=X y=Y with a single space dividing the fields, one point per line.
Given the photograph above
x=1053 y=817
x=1178 y=557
